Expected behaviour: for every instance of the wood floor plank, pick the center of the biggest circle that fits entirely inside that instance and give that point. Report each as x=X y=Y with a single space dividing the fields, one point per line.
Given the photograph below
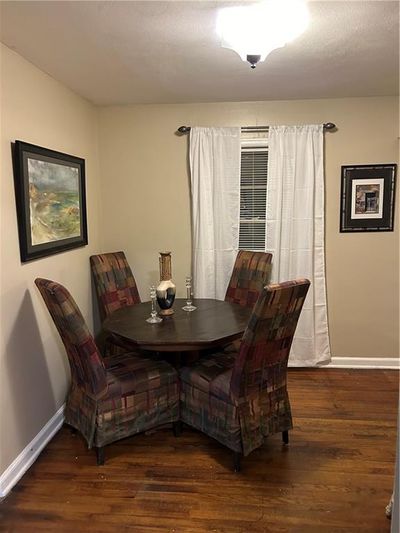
x=336 y=474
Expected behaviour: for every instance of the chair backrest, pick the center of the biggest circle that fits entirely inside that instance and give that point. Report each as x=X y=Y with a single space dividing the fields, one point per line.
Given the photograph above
x=264 y=350
x=250 y=274
x=114 y=281
x=87 y=368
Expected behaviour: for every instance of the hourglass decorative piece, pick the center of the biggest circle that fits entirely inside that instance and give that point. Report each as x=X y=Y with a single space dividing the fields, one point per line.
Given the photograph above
x=189 y=306
x=153 y=318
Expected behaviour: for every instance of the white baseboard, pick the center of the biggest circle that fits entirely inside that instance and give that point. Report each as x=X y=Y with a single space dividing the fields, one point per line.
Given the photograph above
x=29 y=454
x=383 y=363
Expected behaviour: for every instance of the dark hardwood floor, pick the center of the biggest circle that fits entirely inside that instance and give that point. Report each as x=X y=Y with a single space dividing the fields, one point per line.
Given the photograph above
x=335 y=475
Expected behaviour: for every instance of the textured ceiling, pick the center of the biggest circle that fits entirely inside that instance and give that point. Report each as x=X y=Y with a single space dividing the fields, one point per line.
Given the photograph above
x=124 y=52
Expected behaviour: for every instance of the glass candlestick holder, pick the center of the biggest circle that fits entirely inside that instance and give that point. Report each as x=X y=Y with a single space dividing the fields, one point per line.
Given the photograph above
x=153 y=318
x=189 y=306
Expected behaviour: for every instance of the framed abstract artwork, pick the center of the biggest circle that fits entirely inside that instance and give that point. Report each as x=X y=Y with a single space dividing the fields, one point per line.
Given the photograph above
x=367 y=197
x=51 y=201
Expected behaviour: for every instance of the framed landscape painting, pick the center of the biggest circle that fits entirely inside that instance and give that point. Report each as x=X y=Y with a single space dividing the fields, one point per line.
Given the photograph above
x=367 y=197
x=51 y=201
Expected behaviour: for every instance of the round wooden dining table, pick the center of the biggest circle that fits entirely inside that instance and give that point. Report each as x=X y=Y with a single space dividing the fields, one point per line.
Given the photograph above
x=214 y=323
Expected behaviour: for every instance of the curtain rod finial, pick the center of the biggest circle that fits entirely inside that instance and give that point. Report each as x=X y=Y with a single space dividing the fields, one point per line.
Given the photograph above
x=184 y=129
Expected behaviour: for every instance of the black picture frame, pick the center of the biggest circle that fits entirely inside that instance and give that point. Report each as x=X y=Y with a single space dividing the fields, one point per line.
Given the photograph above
x=50 y=199
x=367 y=197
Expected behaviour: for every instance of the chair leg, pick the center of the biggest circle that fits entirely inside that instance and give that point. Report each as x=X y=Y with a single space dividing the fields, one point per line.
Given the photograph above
x=177 y=428
x=285 y=437
x=236 y=461
x=100 y=455
x=70 y=428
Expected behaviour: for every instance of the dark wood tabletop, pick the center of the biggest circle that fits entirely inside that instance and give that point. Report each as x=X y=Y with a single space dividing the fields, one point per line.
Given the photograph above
x=213 y=323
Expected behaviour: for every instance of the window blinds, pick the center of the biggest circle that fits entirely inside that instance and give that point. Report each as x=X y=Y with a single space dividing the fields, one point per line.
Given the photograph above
x=253 y=195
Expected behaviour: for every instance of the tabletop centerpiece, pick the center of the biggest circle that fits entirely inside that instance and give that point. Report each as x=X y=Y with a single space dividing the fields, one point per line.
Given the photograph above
x=166 y=289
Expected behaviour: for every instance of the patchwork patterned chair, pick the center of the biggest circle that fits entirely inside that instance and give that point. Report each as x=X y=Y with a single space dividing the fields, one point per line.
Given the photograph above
x=109 y=398
x=116 y=288
x=114 y=281
x=251 y=272
x=241 y=398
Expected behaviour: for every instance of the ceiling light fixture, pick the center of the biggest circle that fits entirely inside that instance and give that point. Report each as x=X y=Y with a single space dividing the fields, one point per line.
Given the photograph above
x=253 y=31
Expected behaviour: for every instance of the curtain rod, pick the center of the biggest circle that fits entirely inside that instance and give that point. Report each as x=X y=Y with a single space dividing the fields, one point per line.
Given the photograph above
x=186 y=129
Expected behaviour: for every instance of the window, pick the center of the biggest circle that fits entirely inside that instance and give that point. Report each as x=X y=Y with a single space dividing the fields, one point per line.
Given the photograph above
x=253 y=193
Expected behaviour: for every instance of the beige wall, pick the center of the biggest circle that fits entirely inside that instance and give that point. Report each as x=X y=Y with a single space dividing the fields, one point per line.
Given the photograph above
x=146 y=201
x=34 y=371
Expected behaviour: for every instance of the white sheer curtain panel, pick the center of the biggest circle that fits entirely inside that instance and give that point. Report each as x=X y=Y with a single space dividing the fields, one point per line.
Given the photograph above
x=215 y=186
x=295 y=230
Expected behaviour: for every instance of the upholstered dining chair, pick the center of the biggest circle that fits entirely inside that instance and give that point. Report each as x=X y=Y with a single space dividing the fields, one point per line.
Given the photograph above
x=251 y=272
x=109 y=398
x=115 y=287
x=240 y=398
x=114 y=282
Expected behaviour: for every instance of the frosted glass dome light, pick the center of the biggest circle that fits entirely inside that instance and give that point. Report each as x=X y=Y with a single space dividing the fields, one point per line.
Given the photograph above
x=253 y=31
